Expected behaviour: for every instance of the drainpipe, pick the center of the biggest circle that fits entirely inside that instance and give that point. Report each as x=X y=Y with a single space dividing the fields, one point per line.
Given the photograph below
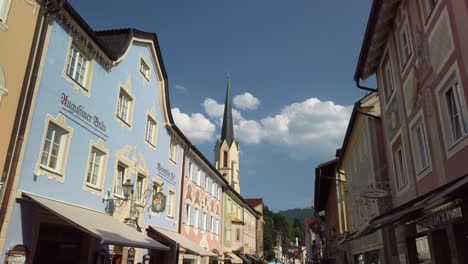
x=24 y=106
x=358 y=84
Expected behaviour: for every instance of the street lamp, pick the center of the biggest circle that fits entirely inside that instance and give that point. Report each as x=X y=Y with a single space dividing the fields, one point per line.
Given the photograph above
x=127 y=188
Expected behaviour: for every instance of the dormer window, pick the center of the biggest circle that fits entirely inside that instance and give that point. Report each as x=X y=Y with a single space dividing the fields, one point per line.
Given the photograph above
x=145 y=69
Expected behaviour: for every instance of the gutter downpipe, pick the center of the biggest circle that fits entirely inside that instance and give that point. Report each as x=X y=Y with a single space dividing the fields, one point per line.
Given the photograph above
x=358 y=84
x=24 y=106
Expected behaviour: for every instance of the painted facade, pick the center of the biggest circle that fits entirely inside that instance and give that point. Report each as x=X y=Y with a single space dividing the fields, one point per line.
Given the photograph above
x=18 y=21
x=95 y=123
x=202 y=204
x=364 y=165
x=421 y=67
x=250 y=222
x=257 y=204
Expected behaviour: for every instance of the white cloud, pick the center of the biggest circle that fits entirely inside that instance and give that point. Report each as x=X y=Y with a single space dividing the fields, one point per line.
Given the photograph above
x=196 y=126
x=303 y=129
x=181 y=89
x=246 y=101
x=215 y=110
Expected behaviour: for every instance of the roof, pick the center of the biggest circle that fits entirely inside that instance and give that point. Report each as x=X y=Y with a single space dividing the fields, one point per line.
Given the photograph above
x=254 y=201
x=324 y=174
x=227 y=131
x=379 y=25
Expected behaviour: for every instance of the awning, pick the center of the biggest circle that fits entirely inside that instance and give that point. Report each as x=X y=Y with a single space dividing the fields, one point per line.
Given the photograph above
x=183 y=242
x=415 y=207
x=253 y=257
x=245 y=258
x=233 y=257
x=98 y=224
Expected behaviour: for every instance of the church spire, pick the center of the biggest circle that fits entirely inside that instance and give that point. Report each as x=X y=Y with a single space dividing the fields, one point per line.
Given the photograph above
x=227 y=131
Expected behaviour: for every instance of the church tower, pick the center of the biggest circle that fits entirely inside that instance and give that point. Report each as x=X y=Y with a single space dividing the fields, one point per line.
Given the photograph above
x=227 y=148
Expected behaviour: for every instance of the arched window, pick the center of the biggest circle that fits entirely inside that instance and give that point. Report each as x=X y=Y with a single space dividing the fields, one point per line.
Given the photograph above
x=3 y=89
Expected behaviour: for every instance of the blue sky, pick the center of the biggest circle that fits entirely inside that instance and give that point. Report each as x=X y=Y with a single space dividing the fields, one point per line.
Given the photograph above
x=291 y=63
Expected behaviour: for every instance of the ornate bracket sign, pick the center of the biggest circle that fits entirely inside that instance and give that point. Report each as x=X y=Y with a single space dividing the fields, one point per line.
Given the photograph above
x=159 y=202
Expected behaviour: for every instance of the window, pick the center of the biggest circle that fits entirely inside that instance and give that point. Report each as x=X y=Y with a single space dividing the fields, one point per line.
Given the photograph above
x=212 y=224
x=207 y=183
x=199 y=176
x=95 y=167
x=405 y=45
x=204 y=221
x=173 y=152
x=191 y=171
x=140 y=187
x=420 y=146
x=388 y=78
x=238 y=234
x=196 y=218
x=228 y=232
x=150 y=133
x=145 y=69
x=124 y=105
x=53 y=149
x=170 y=212
x=217 y=227
x=219 y=193
x=454 y=111
x=400 y=168
x=187 y=214
x=120 y=179
x=423 y=250
x=428 y=7
x=78 y=66
x=225 y=159
x=213 y=188
x=4 y=8
x=229 y=206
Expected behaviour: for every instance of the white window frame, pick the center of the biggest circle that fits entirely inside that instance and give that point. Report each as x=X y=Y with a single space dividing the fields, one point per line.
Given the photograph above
x=171 y=198
x=451 y=146
x=199 y=175
x=404 y=57
x=98 y=147
x=124 y=116
x=389 y=79
x=401 y=180
x=116 y=179
x=204 y=221
x=191 y=170
x=4 y=10
x=59 y=171
x=197 y=218
x=139 y=193
x=145 y=69
x=173 y=147
x=150 y=131
x=418 y=129
x=187 y=214
x=428 y=8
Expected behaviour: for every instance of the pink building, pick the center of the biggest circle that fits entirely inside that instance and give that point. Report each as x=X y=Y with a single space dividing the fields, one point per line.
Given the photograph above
x=417 y=49
x=202 y=207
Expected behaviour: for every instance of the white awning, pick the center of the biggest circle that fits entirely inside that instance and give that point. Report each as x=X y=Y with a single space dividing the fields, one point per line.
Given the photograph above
x=233 y=257
x=184 y=242
x=98 y=224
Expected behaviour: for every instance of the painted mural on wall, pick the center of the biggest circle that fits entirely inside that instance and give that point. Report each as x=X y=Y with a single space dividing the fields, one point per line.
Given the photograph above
x=202 y=207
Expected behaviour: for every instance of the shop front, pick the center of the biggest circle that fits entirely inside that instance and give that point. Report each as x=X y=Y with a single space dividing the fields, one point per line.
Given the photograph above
x=432 y=228
x=56 y=232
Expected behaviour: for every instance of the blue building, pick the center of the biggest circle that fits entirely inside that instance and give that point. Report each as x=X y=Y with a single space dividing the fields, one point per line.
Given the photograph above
x=99 y=126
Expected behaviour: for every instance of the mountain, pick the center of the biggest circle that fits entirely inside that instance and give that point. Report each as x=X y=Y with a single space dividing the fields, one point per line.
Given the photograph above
x=300 y=214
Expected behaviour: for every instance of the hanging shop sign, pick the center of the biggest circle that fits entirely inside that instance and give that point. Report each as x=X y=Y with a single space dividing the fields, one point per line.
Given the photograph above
x=159 y=202
x=374 y=193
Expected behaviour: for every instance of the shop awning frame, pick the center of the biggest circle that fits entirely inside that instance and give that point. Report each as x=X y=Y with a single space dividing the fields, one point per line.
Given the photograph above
x=98 y=224
x=419 y=205
x=183 y=241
